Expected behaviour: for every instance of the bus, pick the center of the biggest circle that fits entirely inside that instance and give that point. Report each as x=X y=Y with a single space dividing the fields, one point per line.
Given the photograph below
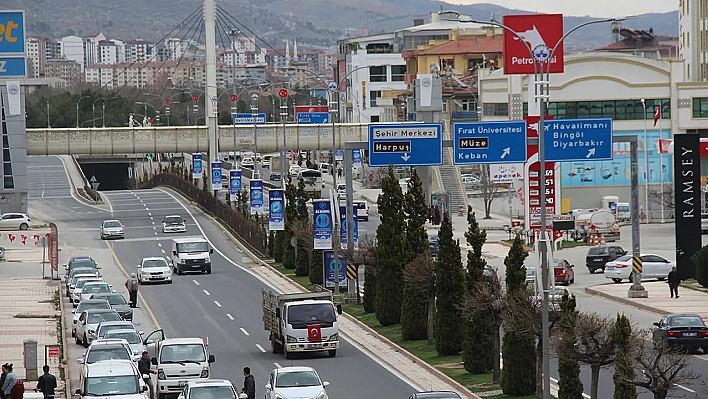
x=313 y=181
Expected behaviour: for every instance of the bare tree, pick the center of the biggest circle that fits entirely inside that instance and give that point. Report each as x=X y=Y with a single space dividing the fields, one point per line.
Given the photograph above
x=487 y=301
x=420 y=274
x=362 y=253
x=523 y=315
x=660 y=368
x=668 y=201
x=489 y=191
x=303 y=230
x=594 y=345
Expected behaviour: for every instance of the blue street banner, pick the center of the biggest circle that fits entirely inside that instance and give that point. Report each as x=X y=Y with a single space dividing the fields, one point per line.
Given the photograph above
x=356 y=156
x=343 y=223
x=216 y=179
x=322 y=224
x=256 y=196
x=276 y=206
x=234 y=183
x=197 y=169
x=329 y=270
x=339 y=155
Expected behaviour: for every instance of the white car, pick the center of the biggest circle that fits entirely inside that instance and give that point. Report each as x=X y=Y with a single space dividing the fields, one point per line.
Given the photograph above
x=15 y=221
x=132 y=337
x=247 y=162
x=104 y=327
x=87 y=304
x=295 y=382
x=74 y=280
x=653 y=266
x=95 y=287
x=294 y=170
x=210 y=388
x=80 y=283
x=101 y=351
x=154 y=269
x=112 y=379
x=112 y=229
x=88 y=323
x=173 y=224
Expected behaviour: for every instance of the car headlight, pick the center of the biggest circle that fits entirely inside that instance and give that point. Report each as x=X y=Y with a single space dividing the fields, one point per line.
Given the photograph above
x=291 y=339
x=278 y=396
x=208 y=259
x=160 y=374
x=322 y=395
x=334 y=337
x=205 y=373
x=182 y=261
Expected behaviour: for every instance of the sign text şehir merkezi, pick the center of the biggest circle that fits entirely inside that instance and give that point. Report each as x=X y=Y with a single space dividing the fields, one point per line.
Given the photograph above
x=406 y=133
x=570 y=134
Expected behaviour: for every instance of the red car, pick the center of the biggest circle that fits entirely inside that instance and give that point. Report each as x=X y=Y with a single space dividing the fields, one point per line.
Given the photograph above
x=563 y=272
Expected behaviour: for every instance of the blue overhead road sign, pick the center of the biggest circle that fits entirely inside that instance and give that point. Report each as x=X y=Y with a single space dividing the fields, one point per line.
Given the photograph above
x=312 y=117
x=247 y=119
x=578 y=139
x=489 y=142
x=407 y=144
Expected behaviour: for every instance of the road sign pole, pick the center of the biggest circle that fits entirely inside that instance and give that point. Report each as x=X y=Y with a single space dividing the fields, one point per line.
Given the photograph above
x=637 y=290
x=349 y=183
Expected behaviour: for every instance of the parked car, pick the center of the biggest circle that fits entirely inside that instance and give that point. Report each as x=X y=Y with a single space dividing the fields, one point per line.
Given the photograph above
x=434 y=243
x=89 y=321
x=362 y=210
x=681 y=329
x=435 y=395
x=107 y=326
x=597 y=257
x=555 y=295
x=95 y=287
x=118 y=303
x=653 y=266
x=70 y=279
x=530 y=276
x=87 y=305
x=563 y=272
x=111 y=379
x=490 y=275
x=295 y=382
x=76 y=293
x=135 y=341
x=15 y=221
x=209 y=388
x=112 y=229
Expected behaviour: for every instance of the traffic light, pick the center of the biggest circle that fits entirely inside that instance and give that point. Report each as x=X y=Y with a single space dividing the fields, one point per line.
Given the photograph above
x=234 y=97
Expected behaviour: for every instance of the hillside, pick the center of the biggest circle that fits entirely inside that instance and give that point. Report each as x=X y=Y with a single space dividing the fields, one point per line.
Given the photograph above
x=313 y=22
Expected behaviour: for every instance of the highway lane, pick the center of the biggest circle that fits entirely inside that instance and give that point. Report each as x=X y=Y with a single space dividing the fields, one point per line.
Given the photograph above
x=204 y=305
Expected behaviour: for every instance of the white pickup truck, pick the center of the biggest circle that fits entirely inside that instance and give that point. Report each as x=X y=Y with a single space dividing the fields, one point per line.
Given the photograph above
x=179 y=360
x=301 y=322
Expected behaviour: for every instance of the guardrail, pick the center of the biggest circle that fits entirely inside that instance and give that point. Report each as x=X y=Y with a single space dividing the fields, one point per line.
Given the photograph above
x=247 y=230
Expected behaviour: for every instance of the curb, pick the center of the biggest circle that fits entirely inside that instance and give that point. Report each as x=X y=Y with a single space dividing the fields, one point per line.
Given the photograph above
x=625 y=301
x=64 y=342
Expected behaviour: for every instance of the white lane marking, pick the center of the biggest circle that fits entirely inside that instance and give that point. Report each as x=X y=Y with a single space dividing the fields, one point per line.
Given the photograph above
x=229 y=316
x=277 y=365
x=153 y=222
x=147 y=209
x=155 y=232
x=195 y=282
x=163 y=251
x=260 y=348
x=243 y=330
x=159 y=244
x=686 y=389
x=217 y=303
x=206 y=292
x=150 y=214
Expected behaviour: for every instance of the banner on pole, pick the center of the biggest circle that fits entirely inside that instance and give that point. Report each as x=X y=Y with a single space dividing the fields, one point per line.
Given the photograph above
x=256 y=196
x=276 y=206
x=322 y=224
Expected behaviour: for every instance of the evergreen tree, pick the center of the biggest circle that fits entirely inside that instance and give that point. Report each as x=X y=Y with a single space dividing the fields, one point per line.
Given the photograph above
x=478 y=344
x=569 y=384
x=621 y=333
x=369 y=289
x=278 y=246
x=391 y=248
x=271 y=242
x=290 y=216
x=450 y=287
x=515 y=269
x=316 y=260
x=414 y=322
x=302 y=261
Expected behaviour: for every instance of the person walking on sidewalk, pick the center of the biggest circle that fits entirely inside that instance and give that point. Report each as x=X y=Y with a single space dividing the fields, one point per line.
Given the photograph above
x=249 y=383
x=10 y=380
x=2 y=382
x=674 y=280
x=132 y=285
x=46 y=383
x=144 y=368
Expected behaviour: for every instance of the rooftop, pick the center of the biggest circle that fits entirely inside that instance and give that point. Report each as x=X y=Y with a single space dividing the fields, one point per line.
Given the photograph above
x=475 y=45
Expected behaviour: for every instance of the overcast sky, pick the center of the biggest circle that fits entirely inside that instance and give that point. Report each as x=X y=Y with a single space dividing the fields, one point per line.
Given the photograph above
x=593 y=8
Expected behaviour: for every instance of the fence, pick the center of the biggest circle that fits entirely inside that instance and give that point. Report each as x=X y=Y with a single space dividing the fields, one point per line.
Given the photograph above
x=247 y=230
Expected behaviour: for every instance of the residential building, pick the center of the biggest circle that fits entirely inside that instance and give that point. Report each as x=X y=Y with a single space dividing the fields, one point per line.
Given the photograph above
x=53 y=48
x=642 y=43
x=693 y=46
x=91 y=49
x=36 y=56
x=176 y=48
x=67 y=69
x=72 y=48
x=111 y=52
x=139 y=51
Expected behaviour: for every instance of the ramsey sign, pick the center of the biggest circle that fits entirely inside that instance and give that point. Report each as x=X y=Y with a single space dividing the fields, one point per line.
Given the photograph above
x=540 y=32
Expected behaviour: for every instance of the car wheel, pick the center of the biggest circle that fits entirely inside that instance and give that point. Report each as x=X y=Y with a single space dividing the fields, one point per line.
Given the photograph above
x=661 y=278
x=102 y=237
x=275 y=347
x=208 y=270
x=705 y=350
x=73 y=332
x=332 y=352
x=85 y=341
x=161 y=396
x=592 y=271
x=77 y=341
x=617 y=280
x=24 y=226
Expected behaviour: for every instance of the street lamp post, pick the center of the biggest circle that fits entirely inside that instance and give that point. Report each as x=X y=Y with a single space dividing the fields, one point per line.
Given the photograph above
x=103 y=110
x=77 y=110
x=646 y=164
x=49 y=125
x=93 y=110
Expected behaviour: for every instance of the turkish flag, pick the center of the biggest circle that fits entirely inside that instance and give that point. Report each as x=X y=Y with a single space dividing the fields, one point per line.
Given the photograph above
x=11 y=237
x=657 y=115
x=314 y=333
x=24 y=239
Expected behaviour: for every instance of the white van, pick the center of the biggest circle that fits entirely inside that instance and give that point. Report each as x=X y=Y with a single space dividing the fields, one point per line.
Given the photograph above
x=362 y=209
x=179 y=360
x=191 y=255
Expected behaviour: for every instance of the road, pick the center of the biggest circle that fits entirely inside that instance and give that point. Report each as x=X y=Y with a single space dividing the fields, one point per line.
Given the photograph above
x=224 y=306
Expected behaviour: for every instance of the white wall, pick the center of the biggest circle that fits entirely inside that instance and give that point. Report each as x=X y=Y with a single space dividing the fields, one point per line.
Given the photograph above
x=72 y=48
x=354 y=93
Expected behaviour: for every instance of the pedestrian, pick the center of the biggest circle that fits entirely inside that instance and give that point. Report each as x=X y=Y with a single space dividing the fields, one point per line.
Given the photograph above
x=437 y=215
x=2 y=382
x=144 y=368
x=249 y=383
x=47 y=383
x=674 y=280
x=132 y=285
x=339 y=172
x=431 y=214
x=10 y=380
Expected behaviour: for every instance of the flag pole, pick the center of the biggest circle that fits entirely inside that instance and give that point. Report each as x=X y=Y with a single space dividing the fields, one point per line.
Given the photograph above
x=661 y=168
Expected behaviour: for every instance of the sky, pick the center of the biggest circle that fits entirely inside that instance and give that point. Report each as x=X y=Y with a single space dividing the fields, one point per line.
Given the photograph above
x=593 y=8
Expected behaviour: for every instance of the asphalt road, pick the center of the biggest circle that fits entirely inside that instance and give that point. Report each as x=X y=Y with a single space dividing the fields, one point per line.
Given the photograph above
x=224 y=306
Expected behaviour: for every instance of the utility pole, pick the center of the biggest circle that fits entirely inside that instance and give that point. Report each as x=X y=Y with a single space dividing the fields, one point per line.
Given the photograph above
x=210 y=103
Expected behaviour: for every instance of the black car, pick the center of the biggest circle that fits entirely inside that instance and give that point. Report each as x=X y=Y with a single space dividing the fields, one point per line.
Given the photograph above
x=435 y=395
x=598 y=256
x=683 y=330
x=118 y=303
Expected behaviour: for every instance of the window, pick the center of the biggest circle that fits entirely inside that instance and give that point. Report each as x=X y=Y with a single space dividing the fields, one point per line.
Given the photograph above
x=377 y=74
x=496 y=109
x=9 y=182
x=373 y=96
x=700 y=107
x=7 y=168
x=620 y=110
x=398 y=73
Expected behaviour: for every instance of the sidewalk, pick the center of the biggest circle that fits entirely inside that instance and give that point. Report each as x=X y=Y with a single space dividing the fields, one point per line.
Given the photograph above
x=690 y=301
x=29 y=310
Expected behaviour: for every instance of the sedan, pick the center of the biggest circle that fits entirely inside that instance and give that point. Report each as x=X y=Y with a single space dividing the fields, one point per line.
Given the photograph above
x=112 y=229
x=88 y=323
x=435 y=395
x=70 y=280
x=563 y=272
x=295 y=382
x=137 y=346
x=87 y=304
x=653 y=266
x=15 y=221
x=154 y=270
x=704 y=223
x=211 y=388
x=118 y=303
x=173 y=224
x=76 y=292
x=434 y=244
x=107 y=326
x=95 y=287
x=682 y=330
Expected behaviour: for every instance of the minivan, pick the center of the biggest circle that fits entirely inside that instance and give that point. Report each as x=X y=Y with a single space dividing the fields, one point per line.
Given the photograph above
x=362 y=210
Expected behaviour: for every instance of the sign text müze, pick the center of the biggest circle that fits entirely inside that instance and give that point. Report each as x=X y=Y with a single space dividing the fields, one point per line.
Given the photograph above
x=489 y=142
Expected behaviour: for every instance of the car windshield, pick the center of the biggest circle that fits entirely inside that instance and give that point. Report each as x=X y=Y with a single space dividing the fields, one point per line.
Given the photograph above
x=433 y=238
x=173 y=220
x=686 y=321
x=81 y=283
x=216 y=392
x=84 y=270
x=118 y=385
x=558 y=264
x=297 y=379
x=95 y=318
x=192 y=247
x=96 y=288
x=107 y=353
x=182 y=353
x=86 y=263
x=77 y=278
x=623 y=258
x=111 y=224
x=311 y=313
x=598 y=251
x=116 y=299
x=154 y=263
x=91 y=305
x=129 y=335
x=105 y=329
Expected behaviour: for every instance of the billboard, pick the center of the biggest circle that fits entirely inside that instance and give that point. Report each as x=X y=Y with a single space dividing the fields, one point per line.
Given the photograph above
x=540 y=32
x=688 y=202
x=505 y=173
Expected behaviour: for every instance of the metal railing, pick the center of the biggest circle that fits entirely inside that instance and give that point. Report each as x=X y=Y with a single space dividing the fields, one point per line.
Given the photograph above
x=246 y=229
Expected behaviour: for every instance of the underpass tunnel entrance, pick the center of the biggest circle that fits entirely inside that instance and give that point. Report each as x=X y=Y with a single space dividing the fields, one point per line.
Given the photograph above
x=107 y=176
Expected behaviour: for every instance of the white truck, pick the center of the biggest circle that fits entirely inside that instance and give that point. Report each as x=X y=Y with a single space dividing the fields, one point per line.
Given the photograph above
x=274 y=167
x=191 y=254
x=179 y=360
x=301 y=322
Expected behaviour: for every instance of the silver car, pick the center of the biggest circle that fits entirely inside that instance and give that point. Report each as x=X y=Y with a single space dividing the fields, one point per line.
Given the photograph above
x=76 y=293
x=135 y=341
x=111 y=229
